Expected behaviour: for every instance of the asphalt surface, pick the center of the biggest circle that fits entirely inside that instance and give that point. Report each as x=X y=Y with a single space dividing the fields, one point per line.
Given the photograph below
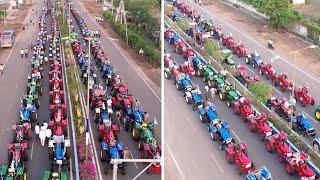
x=138 y=87
x=282 y=64
x=14 y=81
x=193 y=154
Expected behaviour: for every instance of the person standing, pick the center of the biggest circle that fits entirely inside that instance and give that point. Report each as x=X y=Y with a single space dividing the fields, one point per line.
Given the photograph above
x=48 y=133
x=213 y=92
x=45 y=124
x=37 y=131
x=42 y=135
x=22 y=53
x=26 y=52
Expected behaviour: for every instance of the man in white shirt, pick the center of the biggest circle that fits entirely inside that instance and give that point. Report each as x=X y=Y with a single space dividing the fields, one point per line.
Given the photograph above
x=37 y=131
x=42 y=136
x=48 y=133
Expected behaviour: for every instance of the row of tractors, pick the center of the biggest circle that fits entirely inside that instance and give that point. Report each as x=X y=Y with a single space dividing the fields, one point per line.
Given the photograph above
x=206 y=29
x=58 y=144
x=281 y=107
x=18 y=155
x=219 y=129
x=112 y=105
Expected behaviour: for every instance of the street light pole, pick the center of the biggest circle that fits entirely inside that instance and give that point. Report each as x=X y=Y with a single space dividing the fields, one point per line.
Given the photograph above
x=89 y=39
x=293 y=80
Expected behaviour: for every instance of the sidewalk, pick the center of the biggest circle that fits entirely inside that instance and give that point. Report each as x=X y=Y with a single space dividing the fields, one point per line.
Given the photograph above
x=258 y=30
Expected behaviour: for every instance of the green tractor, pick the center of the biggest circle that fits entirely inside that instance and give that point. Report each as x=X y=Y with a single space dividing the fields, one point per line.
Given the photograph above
x=317 y=113
x=228 y=93
x=145 y=134
x=228 y=58
x=216 y=81
x=207 y=25
x=19 y=173
x=34 y=88
x=54 y=175
x=30 y=100
x=205 y=71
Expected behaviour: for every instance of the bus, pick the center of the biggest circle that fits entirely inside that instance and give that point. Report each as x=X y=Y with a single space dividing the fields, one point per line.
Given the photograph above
x=7 y=38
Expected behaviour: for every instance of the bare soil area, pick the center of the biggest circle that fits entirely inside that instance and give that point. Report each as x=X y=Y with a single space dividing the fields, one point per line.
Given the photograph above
x=285 y=43
x=153 y=74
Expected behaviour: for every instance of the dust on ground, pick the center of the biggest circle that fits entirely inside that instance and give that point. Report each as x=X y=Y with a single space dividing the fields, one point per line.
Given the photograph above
x=258 y=30
x=153 y=74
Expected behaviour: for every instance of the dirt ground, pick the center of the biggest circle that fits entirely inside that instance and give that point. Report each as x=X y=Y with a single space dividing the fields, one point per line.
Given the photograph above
x=154 y=74
x=16 y=22
x=285 y=43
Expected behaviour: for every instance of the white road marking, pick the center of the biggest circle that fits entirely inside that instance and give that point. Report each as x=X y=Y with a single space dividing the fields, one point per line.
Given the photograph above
x=214 y=159
x=175 y=161
x=274 y=88
x=113 y=39
x=265 y=48
x=31 y=150
x=135 y=164
x=236 y=135
x=310 y=117
x=120 y=51
x=2 y=130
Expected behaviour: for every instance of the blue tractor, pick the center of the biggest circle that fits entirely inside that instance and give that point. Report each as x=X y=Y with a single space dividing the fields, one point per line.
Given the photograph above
x=208 y=113
x=198 y=64
x=254 y=59
x=59 y=151
x=183 y=82
x=110 y=151
x=259 y=174
x=302 y=123
x=219 y=130
x=176 y=16
x=194 y=97
x=107 y=73
x=175 y=38
x=29 y=115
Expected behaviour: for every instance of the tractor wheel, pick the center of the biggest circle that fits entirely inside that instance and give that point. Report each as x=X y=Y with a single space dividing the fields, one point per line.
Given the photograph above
x=203 y=118
x=221 y=96
x=312 y=102
x=178 y=86
x=25 y=155
x=166 y=75
x=106 y=167
x=251 y=127
x=262 y=136
x=10 y=156
x=280 y=158
x=317 y=114
x=103 y=156
x=24 y=102
x=65 y=130
x=96 y=118
x=253 y=65
x=247 y=60
x=99 y=137
x=51 y=153
x=269 y=147
x=230 y=159
x=240 y=172
x=34 y=117
x=188 y=100
x=140 y=145
x=199 y=73
x=37 y=103
x=135 y=134
x=123 y=171
x=228 y=103
x=214 y=136
x=289 y=169
x=68 y=152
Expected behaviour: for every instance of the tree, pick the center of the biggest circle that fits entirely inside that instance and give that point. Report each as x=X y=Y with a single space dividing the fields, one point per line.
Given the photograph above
x=260 y=90
x=212 y=49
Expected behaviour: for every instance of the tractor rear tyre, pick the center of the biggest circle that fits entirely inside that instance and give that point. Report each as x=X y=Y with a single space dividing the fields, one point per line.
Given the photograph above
x=269 y=147
x=221 y=96
x=103 y=156
x=280 y=158
x=252 y=127
x=106 y=167
x=51 y=153
x=203 y=118
x=239 y=171
x=135 y=134
x=289 y=169
x=230 y=159
x=25 y=155
x=68 y=152
x=33 y=117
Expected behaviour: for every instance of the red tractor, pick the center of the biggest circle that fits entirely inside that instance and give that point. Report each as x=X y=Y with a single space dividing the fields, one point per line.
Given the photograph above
x=61 y=108
x=188 y=53
x=282 y=108
x=297 y=163
x=283 y=81
x=55 y=84
x=107 y=132
x=240 y=50
x=168 y=33
x=241 y=73
x=179 y=46
x=121 y=89
x=238 y=154
x=21 y=132
x=167 y=60
x=278 y=143
x=190 y=12
x=267 y=69
x=76 y=48
x=228 y=41
x=56 y=65
x=18 y=151
x=303 y=95
x=259 y=124
x=172 y=72
x=243 y=107
x=56 y=97
x=186 y=67
x=59 y=123
x=98 y=98
x=152 y=151
x=55 y=73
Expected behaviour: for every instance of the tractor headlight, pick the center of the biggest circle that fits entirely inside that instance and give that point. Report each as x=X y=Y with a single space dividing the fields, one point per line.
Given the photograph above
x=247 y=165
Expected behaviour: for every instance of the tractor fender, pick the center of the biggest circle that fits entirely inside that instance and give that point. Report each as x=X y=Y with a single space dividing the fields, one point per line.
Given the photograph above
x=188 y=94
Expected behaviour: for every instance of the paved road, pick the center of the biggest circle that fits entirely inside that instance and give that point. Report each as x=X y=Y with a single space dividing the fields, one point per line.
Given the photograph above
x=14 y=81
x=196 y=154
x=280 y=65
x=149 y=100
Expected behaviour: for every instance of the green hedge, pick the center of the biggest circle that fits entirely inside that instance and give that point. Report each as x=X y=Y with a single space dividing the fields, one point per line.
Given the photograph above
x=152 y=54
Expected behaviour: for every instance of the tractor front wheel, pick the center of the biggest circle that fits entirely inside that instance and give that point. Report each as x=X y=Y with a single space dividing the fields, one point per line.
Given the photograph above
x=252 y=127
x=269 y=147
